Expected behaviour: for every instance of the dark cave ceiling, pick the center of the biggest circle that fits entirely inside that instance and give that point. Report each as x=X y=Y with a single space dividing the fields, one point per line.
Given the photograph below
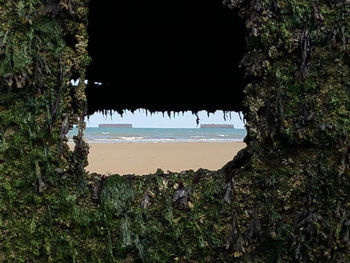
x=164 y=56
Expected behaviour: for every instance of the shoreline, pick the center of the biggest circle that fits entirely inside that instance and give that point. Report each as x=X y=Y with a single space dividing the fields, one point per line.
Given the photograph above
x=150 y=141
x=146 y=157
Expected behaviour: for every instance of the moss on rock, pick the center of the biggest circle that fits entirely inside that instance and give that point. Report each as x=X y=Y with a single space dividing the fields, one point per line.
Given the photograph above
x=285 y=198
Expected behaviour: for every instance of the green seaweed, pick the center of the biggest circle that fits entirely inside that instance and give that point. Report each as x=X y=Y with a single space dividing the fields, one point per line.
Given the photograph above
x=285 y=198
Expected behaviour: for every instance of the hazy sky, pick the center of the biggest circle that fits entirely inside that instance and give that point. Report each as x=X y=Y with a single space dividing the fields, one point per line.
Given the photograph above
x=187 y=120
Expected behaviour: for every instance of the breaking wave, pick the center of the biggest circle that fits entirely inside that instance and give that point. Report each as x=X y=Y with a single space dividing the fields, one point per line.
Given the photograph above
x=164 y=135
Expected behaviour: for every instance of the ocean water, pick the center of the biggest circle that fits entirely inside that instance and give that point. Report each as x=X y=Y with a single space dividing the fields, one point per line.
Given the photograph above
x=158 y=135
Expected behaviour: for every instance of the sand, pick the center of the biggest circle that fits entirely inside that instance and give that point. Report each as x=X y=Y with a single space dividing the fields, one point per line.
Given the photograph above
x=145 y=158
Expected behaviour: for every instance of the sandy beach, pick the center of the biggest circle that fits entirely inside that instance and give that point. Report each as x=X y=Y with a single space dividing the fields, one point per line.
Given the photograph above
x=145 y=158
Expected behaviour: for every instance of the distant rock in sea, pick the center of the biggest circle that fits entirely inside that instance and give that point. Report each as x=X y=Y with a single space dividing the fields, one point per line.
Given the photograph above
x=117 y=125
x=229 y=126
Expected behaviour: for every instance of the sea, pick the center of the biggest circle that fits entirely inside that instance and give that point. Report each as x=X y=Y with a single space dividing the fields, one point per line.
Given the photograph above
x=160 y=135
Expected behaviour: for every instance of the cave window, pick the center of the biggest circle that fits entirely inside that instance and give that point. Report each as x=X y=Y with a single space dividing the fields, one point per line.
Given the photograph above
x=140 y=142
x=164 y=56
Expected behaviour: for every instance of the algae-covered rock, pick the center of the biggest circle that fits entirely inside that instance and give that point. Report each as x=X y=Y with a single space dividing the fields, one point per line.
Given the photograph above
x=165 y=230
x=285 y=198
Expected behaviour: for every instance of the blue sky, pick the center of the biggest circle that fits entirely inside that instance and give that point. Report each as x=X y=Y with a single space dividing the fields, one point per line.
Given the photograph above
x=186 y=120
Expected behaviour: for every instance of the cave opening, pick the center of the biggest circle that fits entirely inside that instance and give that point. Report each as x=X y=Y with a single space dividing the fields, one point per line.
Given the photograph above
x=141 y=143
x=164 y=56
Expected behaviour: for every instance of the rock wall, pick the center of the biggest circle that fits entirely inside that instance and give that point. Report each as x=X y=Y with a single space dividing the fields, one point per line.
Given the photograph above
x=42 y=45
x=285 y=198
x=297 y=106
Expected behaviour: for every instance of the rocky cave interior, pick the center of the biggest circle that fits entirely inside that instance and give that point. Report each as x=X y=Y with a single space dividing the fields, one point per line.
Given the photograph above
x=164 y=56
x=285 y=198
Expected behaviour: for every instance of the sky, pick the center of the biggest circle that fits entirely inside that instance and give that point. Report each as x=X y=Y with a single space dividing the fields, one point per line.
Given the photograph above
x=139 y=119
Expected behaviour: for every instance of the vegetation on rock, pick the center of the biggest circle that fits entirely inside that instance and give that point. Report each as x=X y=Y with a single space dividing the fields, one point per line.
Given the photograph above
x=285 y=198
